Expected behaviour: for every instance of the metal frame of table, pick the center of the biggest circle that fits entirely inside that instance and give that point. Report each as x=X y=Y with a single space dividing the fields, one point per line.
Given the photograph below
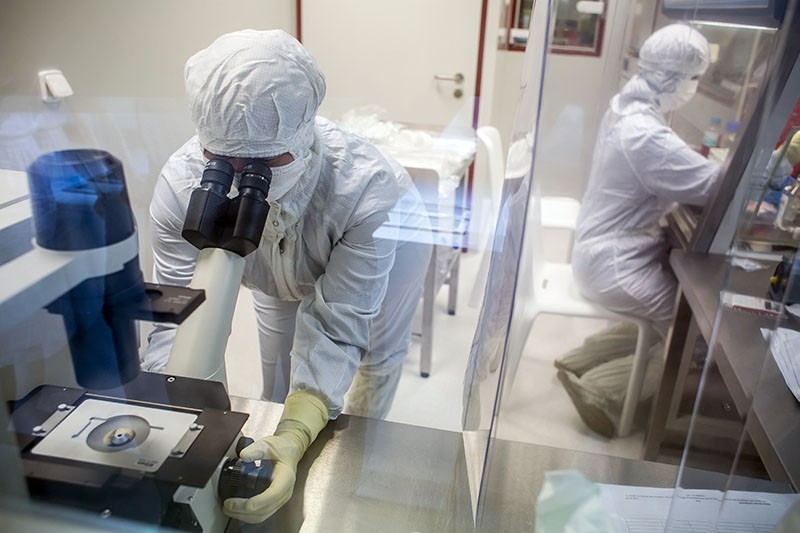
x=741 y=354
x=449 y=224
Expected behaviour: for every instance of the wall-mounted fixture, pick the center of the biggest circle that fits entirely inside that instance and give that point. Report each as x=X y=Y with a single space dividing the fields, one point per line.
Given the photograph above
x=54 y=85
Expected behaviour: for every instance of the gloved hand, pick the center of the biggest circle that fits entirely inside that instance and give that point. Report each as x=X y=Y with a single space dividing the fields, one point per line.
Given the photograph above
x=304 y=416
x=793 y=150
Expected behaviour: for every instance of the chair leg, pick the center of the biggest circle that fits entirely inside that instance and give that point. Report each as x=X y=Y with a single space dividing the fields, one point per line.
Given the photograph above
x=452 y=283
x=636 y=380
x=517 y=338
x=428 y=297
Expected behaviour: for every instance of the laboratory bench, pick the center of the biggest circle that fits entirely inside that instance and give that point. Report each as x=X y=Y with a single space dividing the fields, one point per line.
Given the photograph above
x=372 y=475
x=741 y=354
x=366 y=475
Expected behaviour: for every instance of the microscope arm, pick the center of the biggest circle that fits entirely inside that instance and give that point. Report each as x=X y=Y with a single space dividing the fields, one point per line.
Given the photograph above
x=199 y=347
x=225 y=230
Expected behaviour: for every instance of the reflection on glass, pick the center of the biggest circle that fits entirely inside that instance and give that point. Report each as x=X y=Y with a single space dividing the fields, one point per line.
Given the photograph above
x=741 y=64
x=576 y=31
x=728 y=91
x=724 y=4
x=770 y=220
x=740 y=451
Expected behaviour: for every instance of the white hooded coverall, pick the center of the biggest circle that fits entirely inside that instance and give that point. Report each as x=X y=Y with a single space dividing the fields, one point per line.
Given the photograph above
x=332 y=282
x=640 y=168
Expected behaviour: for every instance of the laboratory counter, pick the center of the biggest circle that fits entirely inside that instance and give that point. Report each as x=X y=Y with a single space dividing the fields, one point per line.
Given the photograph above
x=742 y=355
x=373 y=475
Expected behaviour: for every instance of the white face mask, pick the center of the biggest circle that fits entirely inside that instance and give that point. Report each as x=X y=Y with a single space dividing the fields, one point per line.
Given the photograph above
x=285 y=177
x=684 y=91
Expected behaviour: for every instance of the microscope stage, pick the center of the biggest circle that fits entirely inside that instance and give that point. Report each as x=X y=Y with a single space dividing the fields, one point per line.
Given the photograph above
x=118 y=434
x=169 y=428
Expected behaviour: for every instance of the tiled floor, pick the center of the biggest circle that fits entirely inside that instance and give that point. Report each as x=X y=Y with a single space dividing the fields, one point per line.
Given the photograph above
x=537 y=410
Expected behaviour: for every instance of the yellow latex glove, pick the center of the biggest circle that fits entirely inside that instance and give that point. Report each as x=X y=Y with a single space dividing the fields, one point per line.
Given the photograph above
x=793 y=150
x=304 y=416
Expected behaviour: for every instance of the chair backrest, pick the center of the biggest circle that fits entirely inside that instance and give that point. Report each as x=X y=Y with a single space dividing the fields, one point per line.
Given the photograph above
x=427 y=182
x=529 y=281
x=449 y=222
x=532 y=259
x=532 y=253
x=492 y=145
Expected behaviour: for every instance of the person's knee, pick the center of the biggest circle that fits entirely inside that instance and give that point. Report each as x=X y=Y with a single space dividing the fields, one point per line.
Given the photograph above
x=382 y=363
x=372 y=392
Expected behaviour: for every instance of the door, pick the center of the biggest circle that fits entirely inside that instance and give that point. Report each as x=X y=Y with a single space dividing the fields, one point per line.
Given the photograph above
x=390 y=53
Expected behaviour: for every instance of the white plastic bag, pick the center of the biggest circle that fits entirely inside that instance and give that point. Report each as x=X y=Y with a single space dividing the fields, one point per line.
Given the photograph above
x=570 y=503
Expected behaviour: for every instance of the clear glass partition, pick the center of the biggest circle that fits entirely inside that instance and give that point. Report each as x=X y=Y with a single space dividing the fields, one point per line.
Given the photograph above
x=744 y=419
x=729 y=438
x=643 y=418
x=148 y=450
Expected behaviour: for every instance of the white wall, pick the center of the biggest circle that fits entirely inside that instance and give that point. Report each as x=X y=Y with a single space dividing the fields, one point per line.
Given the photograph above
x=118 y=47
x=124 y=61
x=386 y=53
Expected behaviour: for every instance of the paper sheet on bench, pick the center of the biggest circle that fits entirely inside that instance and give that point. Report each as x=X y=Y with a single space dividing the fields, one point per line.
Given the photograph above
x=646 y=509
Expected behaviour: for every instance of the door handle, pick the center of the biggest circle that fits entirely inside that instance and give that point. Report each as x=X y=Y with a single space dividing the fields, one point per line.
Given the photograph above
x=457 y=77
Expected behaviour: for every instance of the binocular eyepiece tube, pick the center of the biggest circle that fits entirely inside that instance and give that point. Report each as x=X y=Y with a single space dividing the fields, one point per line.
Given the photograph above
x=214 y=220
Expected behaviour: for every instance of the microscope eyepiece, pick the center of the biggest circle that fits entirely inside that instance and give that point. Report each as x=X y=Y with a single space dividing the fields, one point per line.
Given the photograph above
x=256 y=175
x=218 y=176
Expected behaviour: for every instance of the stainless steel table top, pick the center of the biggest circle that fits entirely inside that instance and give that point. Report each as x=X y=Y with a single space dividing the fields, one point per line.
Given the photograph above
x=370 y=475
x=373 y=475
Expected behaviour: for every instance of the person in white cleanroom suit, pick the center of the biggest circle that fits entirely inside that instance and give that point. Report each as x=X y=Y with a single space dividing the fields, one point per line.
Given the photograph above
x=333 y=285
x=640 y=168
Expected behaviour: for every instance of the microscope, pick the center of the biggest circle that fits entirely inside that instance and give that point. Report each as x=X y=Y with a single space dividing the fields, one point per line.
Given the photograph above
x=153 y=448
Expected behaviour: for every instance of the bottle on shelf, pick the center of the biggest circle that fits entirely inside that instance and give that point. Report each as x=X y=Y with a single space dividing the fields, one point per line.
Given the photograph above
x=711 y=136
x=729 y=137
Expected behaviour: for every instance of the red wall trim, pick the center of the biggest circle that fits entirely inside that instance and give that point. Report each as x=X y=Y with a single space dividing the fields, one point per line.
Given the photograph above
x=479 y=69
x=477 y=102
x=299 y=19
